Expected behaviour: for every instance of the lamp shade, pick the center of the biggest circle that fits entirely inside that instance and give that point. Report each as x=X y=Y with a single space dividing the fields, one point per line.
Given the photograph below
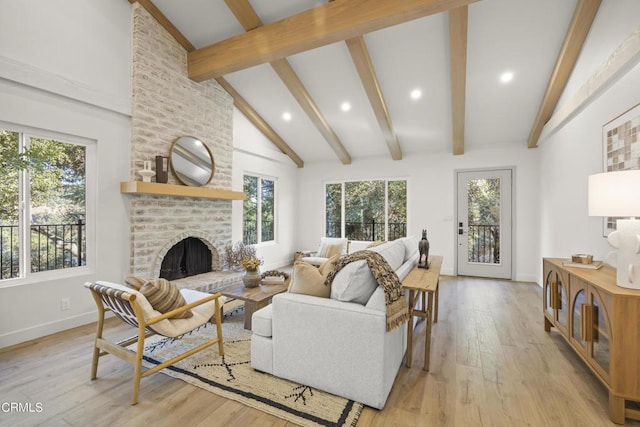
x=615 y=193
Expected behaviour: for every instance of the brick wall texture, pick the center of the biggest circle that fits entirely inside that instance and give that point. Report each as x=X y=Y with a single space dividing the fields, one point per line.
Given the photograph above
x=166 y=104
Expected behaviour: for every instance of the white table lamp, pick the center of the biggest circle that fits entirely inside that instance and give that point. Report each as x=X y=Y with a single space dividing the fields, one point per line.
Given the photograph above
x=618 y=194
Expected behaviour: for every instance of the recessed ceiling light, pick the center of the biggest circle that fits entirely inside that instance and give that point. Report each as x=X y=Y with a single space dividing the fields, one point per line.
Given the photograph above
x=506 y=77
x=345 y=106
x=286 y=116
x=416 y=94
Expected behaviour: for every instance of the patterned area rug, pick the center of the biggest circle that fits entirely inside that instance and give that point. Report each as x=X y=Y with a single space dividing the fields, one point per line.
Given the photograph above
x=232 y=376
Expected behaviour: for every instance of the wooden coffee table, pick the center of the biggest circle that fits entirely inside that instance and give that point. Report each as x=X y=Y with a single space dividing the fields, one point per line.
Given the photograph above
x=254 y=298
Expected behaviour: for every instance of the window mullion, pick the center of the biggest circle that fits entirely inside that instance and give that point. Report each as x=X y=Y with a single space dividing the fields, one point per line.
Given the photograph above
x=24 y=212
x=343 y=211
x=386 y=210
x=259 y=212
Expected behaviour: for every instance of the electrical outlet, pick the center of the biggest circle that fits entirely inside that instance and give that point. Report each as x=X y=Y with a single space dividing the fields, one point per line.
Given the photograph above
x=65 y=304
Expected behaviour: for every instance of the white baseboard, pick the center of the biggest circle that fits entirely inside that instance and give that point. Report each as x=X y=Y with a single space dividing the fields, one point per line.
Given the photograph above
x=527 y=278
x=39 y=331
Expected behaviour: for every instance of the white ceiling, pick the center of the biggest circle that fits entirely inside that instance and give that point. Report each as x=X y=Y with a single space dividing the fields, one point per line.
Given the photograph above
x=522 y=36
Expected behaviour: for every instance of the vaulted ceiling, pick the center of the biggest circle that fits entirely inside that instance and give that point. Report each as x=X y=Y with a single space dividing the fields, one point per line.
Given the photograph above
x=418 y=76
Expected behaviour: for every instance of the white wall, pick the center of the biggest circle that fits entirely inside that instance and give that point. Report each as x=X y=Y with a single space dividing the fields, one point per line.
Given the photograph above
x=568 y=158
x=255 y=155
x=65 y=68
x=574 y=152
x=431 y=197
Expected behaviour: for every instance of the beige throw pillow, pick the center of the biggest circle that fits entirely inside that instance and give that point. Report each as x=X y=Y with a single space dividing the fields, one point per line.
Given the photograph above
x=328 y=250
x=164 y=296
x=309 y=280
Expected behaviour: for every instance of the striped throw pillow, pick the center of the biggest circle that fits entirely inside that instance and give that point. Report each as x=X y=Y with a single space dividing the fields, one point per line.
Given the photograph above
x=135 y=282
x=164 y=296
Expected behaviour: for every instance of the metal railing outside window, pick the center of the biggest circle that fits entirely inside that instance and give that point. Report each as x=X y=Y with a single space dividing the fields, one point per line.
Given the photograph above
x=53 y=247
x=250 y=232
x=366 y=231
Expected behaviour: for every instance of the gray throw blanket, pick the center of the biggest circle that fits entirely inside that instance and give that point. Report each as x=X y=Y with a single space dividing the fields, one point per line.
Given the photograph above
x=397 y=311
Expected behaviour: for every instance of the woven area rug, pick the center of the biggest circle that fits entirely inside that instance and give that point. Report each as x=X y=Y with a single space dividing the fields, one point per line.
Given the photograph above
x=232 y=376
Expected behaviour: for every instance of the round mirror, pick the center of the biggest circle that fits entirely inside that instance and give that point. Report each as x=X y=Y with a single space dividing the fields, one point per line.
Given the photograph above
x=191 y=161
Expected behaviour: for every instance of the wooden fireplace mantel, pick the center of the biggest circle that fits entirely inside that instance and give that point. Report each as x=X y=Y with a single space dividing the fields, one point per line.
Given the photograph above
x=139 y=187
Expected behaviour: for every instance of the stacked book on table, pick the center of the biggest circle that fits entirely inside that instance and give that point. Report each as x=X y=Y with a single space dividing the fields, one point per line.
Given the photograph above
x=594 y=265
x=273 y=280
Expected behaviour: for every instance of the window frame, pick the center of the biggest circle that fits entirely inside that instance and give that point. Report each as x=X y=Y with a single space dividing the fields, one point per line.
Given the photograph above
x=25 y=133
x=343 y=198
x=261 y=177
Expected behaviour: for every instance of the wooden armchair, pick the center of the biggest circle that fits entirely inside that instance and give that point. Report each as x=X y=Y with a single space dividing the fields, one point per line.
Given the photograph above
x=133 y=308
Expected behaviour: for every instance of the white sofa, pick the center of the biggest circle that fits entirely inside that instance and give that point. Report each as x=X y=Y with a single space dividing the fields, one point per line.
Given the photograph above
x=337 y=346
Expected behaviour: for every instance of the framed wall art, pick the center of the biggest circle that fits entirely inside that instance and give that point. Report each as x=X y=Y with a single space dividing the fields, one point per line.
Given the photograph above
x=621 y=149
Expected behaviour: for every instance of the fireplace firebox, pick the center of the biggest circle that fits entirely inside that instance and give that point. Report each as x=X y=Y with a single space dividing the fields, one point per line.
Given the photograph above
x=188 y=257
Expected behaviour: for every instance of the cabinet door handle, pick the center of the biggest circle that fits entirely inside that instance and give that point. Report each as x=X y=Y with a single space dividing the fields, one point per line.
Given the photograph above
x=586 y=327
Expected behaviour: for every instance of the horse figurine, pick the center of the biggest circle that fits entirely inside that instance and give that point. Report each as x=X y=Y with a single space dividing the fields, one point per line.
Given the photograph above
x=423 y=247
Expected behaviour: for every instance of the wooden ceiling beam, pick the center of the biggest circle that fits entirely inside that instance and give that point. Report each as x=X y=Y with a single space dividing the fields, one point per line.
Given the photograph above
x=246 y=15
x=325 y=24
x=238 y=100
x=259 y=122
x=458 y=23
x=362 y=60
x=579 y=27
x=284 y=70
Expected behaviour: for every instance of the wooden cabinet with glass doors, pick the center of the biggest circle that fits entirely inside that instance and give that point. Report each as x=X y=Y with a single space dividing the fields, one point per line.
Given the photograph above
x=556 y=298
x=602 y=325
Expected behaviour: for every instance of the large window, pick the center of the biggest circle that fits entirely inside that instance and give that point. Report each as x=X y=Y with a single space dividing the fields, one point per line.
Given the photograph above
x=366 y=210
x=42 y=204
x=258 y=210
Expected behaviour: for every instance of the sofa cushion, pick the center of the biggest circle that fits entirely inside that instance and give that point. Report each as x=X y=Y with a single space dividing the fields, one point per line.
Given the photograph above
x=164 y=296
x=358 y=245
x=410 y=246
x=405 y=268
x=354 y=283
x=261 y=321
x=377 y=301
x=392 y=252
x=374 y=244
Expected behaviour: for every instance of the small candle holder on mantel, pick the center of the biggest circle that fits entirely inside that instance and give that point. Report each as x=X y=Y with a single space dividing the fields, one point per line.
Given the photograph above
x=146 y=172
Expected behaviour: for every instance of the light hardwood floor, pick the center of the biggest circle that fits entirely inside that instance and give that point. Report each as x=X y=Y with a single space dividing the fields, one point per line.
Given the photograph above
x=492 y=364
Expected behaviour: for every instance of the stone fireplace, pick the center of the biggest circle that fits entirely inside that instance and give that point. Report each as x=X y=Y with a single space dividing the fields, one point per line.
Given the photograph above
x=166 y=104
